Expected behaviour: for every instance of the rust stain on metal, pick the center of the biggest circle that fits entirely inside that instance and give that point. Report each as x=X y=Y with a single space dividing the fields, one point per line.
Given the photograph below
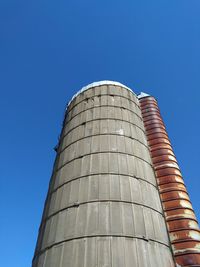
x=181 y=221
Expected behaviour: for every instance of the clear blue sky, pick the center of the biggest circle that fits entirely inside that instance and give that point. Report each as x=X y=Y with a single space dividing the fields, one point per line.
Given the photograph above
x=48 y=51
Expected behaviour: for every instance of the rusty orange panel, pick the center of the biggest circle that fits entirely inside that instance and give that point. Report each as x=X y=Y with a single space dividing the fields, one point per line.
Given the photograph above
x=172 y=186
x=181 y=221
x=146 y=110
x=193 y=245
x=159 y=150
x=176 y=204
x=154 y=117
x=163 y=158
x=156 y=130
x=182 y=224
x=188 y=259
x=158 y=141
x=185 y=235
x=181 y=213
x=154 y=113
x=154 y=125
x=168 y=171
x=173 y=195
x=166 y=164
x=157 y=135
x=170 y=179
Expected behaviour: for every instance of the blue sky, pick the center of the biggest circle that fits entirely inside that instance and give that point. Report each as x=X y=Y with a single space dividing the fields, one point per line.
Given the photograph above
x=48 y=51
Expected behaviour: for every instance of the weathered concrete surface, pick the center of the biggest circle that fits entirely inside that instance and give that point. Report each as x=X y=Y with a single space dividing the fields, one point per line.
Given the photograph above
x=103 y=208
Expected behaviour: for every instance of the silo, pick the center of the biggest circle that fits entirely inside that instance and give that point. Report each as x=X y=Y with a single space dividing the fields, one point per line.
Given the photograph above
x=181 y=221
x=103 y=207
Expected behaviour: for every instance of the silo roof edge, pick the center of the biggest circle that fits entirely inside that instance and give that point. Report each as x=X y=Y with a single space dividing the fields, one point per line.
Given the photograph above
x=94 y=84
x=142 y=95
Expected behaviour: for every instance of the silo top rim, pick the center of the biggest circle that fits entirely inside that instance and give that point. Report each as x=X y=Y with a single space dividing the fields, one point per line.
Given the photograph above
x=142 y=95
x=94 y=84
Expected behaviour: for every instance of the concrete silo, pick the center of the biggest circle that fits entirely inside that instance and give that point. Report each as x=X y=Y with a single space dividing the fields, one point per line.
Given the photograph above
x=103 y=208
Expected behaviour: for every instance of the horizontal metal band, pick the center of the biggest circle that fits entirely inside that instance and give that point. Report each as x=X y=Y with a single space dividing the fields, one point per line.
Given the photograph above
x=155 y=126
x=105 y=151
x=149 y=110
x=157 y=162
x=146 y=109
x=158 y=141
x=149 y=116
x=176 y=199
x=100 y=119
x=108 y=152
x=157 y=130
x=177 y=208
x=113 y=95
x=152 y=121
x=76 y=205
x=175 y=188
x=91 y=236
x=162 y=176
x=97 y=174
x=95 y=107
x=152 y=116
x=178 y=182
x=102 y=134
x=186 y=251
x=175 y=219
x=168 y=190
x=179 y=241
x=184 y=229
x=152 y=149
x=153 y=136
x=166 y=167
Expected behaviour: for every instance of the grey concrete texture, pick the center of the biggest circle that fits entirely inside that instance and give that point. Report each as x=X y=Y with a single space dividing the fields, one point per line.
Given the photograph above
x=103 y=207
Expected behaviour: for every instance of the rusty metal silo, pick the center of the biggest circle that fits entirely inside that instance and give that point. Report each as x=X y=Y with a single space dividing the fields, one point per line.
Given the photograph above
x=103 y=207
x=181 y=221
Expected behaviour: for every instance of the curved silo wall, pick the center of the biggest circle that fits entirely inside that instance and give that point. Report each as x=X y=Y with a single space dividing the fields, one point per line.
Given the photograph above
x=182 y=223
x=103 y=207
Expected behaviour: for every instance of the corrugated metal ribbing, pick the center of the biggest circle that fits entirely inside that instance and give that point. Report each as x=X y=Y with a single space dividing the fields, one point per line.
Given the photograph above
x=181 y=221
x=103 y=206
